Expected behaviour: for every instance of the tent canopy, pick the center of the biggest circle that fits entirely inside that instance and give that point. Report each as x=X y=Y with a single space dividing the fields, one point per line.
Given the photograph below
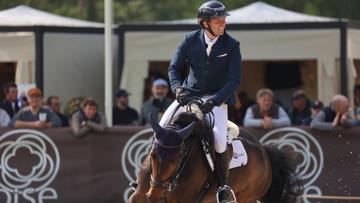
x=26 y=16
x=294 y=36
x=260 y=12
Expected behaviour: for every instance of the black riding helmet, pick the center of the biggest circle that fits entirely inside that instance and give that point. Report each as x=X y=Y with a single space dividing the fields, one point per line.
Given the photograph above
x=211 y=9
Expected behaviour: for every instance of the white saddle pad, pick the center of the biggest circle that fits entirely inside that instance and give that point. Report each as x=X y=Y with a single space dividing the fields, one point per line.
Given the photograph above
x=239 y=157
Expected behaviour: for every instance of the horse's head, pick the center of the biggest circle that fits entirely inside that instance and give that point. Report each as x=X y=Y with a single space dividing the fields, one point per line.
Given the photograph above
x=166 y=156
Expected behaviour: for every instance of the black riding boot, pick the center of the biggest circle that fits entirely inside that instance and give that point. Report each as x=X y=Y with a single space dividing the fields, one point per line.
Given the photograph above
x=222 y=171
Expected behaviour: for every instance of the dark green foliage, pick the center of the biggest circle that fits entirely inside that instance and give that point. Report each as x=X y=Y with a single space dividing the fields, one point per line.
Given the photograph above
x=150 y=10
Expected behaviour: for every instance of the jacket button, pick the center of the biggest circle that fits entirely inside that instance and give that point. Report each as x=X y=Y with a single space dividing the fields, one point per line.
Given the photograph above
x=207 y=62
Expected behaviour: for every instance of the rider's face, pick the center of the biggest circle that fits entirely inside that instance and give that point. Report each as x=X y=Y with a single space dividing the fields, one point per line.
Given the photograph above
x=218 y=25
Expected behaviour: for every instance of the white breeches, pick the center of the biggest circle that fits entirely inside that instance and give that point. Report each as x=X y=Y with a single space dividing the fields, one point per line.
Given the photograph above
x=220 y=124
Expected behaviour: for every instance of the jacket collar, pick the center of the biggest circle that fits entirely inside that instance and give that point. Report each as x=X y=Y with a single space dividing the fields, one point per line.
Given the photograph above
x=219 y=43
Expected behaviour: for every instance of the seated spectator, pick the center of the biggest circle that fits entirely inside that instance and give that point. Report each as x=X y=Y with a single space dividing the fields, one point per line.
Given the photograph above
x=237 y=114
x=316 y=107
x=10 y=103
x=4 y=118
x=55 y=105
x=158 y=103
x=265 y=113
x=337 y=114
x=122 y=113
x=35 y=116
x=300 y=112
x=88 y=119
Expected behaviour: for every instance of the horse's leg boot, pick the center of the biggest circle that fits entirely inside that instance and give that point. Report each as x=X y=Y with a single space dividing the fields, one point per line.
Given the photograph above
x=222 y=171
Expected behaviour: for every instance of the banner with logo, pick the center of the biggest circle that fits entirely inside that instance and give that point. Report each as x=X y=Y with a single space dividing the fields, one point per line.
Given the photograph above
x=54 y=166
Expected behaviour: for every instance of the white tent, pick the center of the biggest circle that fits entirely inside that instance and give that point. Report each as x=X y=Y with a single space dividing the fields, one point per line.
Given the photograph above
x=266 y=33
x=64 y=56
x=26 y=16
x=260 y=12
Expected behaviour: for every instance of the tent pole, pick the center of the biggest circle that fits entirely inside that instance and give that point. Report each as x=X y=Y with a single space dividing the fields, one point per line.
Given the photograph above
x=108 y=61
x=39 y=58
x=343 y=59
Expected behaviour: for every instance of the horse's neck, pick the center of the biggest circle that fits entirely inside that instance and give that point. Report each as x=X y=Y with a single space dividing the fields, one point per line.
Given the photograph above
x=194 y=175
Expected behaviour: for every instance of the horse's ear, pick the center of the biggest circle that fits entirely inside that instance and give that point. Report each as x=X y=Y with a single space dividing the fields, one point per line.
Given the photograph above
x=154 y=124
x=186 y=132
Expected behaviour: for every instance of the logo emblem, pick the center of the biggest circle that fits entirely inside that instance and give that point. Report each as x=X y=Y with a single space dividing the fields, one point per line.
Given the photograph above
x=30 y=179
x=135 y=151
x=308 y=152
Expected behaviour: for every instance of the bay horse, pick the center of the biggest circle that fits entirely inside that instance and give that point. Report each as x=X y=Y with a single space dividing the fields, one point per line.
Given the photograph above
x=176 y=169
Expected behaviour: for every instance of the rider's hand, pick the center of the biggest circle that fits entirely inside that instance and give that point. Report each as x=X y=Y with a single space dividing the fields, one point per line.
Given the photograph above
x=182 y=96
x=208 y=106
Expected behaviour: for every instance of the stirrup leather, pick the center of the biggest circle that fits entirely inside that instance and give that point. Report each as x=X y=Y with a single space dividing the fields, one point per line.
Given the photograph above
x=227 y=189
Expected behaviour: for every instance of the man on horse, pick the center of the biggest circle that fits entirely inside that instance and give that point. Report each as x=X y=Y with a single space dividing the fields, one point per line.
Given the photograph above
x=215 y=73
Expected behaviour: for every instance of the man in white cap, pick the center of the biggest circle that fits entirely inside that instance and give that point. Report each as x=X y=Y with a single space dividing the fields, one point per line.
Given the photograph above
x=158 y=102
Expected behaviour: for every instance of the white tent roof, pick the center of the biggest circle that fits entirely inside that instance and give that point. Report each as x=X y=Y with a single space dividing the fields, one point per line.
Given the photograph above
x=260 y=12
x=26 y=16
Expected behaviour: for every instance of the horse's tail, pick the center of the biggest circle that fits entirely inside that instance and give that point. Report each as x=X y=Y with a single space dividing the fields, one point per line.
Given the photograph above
x=285 y=186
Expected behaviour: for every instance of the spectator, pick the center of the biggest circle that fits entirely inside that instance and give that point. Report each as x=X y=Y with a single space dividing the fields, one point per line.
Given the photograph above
x=317 y=106
x=237 y=115
x=55 y=105
x=122 y=113
x=4 y=118
x=300 y=112
x=337 y=114
x=158 y=103
x=10 y=104
x=88 y=119
x=265 y=113
x=35 y=116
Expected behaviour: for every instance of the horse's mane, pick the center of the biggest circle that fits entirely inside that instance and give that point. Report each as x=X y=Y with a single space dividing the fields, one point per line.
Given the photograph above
x=185 y=118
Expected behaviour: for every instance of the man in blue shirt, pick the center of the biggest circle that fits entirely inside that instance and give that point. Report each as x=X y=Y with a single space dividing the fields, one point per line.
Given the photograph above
x=35 y=116
x=215 y=73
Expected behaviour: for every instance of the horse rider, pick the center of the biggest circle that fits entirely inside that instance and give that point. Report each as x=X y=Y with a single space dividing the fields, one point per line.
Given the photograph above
x=215 y=73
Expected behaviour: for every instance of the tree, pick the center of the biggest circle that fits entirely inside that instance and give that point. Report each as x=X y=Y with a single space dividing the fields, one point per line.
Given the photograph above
x=151 y=10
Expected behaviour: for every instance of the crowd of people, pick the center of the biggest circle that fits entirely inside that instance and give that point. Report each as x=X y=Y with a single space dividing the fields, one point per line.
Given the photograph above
x=265 y=112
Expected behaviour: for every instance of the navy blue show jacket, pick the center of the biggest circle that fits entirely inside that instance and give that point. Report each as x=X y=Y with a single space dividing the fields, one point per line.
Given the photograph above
x=217 y=75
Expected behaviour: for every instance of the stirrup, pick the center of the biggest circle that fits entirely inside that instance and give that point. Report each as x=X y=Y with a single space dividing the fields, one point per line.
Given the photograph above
x=227 y=189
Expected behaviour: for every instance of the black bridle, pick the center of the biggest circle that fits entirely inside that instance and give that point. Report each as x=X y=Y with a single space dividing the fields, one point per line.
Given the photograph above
x=170 y=184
